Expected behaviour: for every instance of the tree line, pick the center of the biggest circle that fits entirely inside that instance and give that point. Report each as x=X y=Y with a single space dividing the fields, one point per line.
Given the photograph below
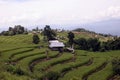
x=18 y=29
x=111 y=44
x=93 y=44
x=48 y=34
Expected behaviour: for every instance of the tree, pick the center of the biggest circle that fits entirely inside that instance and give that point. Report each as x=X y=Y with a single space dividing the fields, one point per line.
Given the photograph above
x=5 y=33
x=112 y=44
x=88 y=44
x=49 y=33
x=10 y=28
x=18 y=29
x=93 y=44
x=36 y=39
x=11 y=33
x=71 y=38
x=82 y=43
x=36 y=29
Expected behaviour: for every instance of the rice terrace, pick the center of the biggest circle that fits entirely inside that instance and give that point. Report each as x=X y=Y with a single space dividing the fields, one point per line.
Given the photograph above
x=23 y=59
x=59 y=39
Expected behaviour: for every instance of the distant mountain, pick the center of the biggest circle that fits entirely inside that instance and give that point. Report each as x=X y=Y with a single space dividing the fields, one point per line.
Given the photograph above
x=107 y=26
x=111 y=26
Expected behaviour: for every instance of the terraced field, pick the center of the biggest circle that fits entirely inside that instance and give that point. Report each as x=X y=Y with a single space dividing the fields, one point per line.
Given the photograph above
x=22 y=60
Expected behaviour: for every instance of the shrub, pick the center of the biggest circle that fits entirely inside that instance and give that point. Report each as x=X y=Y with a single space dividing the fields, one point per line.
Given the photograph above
x=51 y=75
x=19 y=71
x=116 y=65
x=5 y=33
x=112 y=44
x=102 y=50
x=25 y=32
x=10 y=68
x=14 y=70
x=35 y=39
x=88 y=44
x=11 y=33
x=74 y=78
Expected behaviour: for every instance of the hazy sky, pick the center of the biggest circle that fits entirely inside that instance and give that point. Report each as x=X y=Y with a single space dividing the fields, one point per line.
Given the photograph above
x=41 y=12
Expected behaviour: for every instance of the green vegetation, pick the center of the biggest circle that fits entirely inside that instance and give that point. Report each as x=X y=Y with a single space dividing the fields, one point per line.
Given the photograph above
x=116 y=65
x=49 y=33
x=71 y=38
x=107 y=71
x=112 y=44
x=36 y=39
x=20 y=59
x=18 y=29
x=88 y=44
x=83 y=71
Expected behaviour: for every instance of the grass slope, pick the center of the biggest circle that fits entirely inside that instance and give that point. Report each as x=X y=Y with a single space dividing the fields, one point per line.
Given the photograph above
x=19 y=49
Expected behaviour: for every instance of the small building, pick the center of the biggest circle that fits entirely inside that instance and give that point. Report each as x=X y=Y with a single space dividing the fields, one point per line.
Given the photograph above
x=56 y=45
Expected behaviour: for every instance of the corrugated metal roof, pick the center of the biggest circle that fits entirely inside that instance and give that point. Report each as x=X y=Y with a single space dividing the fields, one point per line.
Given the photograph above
x=52 y=41
x=56 y=44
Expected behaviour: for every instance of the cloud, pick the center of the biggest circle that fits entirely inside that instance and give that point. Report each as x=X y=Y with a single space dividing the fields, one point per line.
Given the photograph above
x=15 y=0
x=111 y=12
x=55 y=11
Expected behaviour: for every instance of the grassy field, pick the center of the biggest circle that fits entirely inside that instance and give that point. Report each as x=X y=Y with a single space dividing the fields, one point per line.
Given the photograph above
x=20 y=59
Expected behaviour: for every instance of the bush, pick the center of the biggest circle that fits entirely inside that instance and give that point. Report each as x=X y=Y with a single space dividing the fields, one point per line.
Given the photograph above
x=35 y=39
x=74 y=78
x=11 y=33
x=88 y=44
x=95 y=45
x=14 y=70
x=116 y=65
x=10 y=68
x=5 y=33
x=51 y=76
x=25 y=32
x=112 y=44
x=19 y=71
x=102 y=50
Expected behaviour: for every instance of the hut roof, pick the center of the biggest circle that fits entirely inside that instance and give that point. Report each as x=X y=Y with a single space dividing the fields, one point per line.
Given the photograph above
x=56 y=43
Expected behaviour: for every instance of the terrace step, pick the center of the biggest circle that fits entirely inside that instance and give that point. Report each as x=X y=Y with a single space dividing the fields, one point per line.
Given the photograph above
x=65 y=58
x=22 y=52
x=85 y=64
x=82 y=71
x=102 y=74
x=32 y=64
x=85 y=77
